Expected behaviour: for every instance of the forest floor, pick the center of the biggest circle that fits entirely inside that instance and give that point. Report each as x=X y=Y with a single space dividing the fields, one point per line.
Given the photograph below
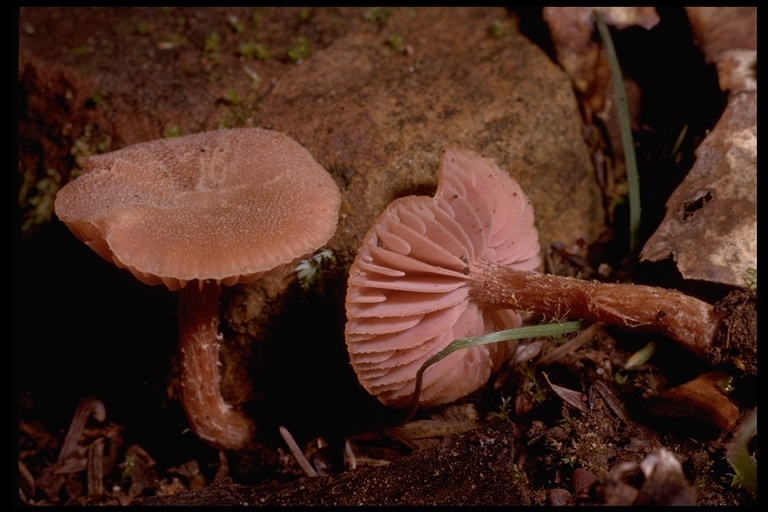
x=583 y=419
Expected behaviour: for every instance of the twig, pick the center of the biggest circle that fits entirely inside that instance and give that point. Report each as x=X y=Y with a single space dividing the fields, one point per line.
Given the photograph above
x=297 y=453
x=570 y=346
x=95 y=473
x=89 y=406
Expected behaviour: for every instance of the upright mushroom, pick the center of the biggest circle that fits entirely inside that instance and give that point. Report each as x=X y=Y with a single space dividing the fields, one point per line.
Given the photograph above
x=197 y=212
x=461 y=264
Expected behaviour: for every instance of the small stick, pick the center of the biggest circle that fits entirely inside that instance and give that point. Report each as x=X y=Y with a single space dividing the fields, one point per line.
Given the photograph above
x=349 y=455
x=569 y=346
x=95 y=472
x=297 y=453
x=88 y=406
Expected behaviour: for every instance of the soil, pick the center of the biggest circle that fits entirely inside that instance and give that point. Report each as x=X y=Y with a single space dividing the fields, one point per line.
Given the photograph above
x=579 y=420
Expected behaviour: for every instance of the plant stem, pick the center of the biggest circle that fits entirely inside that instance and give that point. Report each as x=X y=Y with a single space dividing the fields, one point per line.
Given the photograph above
x=687 y=320
x=210 y=416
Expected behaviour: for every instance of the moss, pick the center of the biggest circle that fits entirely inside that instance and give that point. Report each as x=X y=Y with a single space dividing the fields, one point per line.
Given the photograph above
x=172 y=131
x=235 y=24
x=532 y=387
x=79 y=51
x=212 y=43
x=750 y=279
x=519 y=477
x=36 y=198
x=377 y=14
x=305 y=14
x=231 y=97
x=36 y=194
x=142 y=27
x=262 y=52
x=89 y=143
x=499 y=29
x=256 y=17
x=703 y=479
x=98 y=99
x=300 y=50
x=395 y=41
x=240 y=110
x=251 y=50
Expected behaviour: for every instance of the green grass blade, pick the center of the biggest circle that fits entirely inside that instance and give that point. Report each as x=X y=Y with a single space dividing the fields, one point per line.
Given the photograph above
x=630 y=160
x=533 y=331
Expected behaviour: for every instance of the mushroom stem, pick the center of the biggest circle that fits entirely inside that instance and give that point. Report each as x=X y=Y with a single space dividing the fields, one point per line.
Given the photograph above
x=687 y=320
x=210 y=416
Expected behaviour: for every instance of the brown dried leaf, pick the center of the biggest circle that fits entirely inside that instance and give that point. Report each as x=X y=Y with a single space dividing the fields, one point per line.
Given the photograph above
x=572 y=28
x=569 y=396
x=701 y=399
x=728 y=38
x=710 y=228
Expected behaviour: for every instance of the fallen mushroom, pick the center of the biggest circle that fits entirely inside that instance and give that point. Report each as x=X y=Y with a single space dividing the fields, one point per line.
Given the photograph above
x=461 y=264
x=197 y=212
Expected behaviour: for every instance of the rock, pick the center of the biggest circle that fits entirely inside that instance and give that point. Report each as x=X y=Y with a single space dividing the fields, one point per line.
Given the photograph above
x=378 y=118
x=375 y=98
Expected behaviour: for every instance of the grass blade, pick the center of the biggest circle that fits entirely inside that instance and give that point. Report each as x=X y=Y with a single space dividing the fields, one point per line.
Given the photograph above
x=532 y=331
x=630 y=160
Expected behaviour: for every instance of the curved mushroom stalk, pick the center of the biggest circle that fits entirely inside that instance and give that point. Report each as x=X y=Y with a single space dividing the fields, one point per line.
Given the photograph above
x=210 y=416
x=461 y=265
x=223 y=207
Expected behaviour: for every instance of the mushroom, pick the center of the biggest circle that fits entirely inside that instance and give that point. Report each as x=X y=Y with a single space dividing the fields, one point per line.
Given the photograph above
x=462 y=264
x=197 y=212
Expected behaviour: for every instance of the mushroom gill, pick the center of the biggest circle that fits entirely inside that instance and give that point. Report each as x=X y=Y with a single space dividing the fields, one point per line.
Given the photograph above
x=409 y=290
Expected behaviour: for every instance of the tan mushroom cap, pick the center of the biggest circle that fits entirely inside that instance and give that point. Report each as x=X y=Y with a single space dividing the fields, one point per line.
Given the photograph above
x=224 y=205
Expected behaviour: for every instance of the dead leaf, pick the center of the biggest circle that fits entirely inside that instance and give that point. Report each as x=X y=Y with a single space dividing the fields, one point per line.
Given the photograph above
x=701 y=399
x=727 y=37
x=569 y=396
x=710 y=228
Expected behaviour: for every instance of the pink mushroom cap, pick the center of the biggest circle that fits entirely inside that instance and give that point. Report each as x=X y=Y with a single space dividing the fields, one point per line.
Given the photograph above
x=225 y=206
x=408 y=292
